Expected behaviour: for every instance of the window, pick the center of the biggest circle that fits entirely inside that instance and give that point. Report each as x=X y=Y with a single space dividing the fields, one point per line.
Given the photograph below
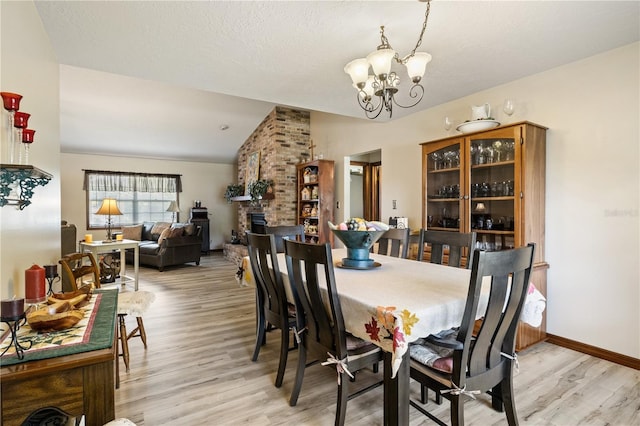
x=140 y=196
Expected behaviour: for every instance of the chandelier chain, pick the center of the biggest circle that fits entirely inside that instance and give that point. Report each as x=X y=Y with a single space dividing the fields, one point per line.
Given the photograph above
x=385 y=40
x=424 y=27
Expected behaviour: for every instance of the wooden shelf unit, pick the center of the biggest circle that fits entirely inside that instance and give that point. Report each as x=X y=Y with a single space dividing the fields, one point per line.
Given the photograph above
x=315 y=209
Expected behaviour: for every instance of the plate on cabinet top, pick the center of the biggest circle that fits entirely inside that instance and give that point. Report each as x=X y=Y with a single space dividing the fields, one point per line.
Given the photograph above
x=477 y=125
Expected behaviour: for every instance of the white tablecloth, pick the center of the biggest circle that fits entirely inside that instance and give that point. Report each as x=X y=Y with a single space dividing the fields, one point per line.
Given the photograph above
x=396 y=303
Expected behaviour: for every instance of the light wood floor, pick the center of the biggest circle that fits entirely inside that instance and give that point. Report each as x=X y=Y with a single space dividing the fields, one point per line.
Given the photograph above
x=197 y=369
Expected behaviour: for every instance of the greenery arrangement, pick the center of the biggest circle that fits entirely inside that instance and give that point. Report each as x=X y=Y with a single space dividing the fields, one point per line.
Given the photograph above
x=233 y=190
x=258 y=188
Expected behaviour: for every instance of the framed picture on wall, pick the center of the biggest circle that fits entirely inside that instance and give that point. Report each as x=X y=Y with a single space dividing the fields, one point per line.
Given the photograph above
x=252 y=173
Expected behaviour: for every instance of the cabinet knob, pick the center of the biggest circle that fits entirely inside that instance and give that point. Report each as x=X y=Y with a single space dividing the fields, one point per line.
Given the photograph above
x=466 y=197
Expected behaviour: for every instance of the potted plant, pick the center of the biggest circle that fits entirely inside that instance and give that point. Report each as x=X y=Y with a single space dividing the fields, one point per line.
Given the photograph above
x=233 y=190
x=258 y=188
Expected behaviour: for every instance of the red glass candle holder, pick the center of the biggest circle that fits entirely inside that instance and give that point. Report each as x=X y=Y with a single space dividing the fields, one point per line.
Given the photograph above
x=11 y=101
x=21 y=119
x=27 y=135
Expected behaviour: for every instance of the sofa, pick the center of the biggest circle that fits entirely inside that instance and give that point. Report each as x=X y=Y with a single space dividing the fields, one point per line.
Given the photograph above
x=165 y=244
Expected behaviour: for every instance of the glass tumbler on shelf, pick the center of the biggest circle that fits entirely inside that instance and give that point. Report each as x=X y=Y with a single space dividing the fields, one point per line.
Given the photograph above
x=436 y=157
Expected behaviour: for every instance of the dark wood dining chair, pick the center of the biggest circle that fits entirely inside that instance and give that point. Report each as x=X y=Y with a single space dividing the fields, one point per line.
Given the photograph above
x=322 y=328
x=395 y=242
x=459 y=247
x=282 y=232
x=479 y=361
x=272 y=308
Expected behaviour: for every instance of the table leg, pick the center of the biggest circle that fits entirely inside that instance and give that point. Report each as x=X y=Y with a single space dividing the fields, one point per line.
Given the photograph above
x=396 y=392
x=136 y=264
x=123 y=267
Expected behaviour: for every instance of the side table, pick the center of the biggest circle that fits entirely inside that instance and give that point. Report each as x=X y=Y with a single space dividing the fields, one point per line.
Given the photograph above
x=97 y=247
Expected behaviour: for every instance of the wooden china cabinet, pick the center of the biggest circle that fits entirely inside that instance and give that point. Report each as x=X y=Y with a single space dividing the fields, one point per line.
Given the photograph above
x=491 y=182
x=315 y=200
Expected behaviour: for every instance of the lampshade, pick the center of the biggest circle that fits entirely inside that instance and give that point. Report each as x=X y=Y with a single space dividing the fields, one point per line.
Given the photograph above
x=480 y=207
x=358 y=70
x=416 y=65
x=173 y=207
x=109 y=207
x=380 y=61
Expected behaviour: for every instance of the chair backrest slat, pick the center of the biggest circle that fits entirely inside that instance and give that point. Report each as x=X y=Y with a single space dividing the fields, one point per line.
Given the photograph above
x=507 y=273
x=460 y=245
x=309 y=266
x=264 y=264
x=282 y=232
x=395 y=242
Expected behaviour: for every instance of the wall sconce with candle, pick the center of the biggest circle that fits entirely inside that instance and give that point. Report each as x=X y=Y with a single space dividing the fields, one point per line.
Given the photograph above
x=17 y=179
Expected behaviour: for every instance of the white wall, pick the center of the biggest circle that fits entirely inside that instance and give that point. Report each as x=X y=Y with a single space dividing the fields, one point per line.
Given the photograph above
x=200 y=181
x=29 y=67
x=593 y=183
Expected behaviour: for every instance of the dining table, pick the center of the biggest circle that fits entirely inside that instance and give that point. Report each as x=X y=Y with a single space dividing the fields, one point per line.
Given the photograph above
x=391 y=305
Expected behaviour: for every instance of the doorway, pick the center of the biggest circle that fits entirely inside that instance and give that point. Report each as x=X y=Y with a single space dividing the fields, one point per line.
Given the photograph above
x=365 y=177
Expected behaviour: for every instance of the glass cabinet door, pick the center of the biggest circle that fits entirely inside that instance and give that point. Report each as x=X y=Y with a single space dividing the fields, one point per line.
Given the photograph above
x=494 y=188
x=444 y=185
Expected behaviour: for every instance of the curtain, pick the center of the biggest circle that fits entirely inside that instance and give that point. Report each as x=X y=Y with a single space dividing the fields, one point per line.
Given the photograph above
x=100 y=180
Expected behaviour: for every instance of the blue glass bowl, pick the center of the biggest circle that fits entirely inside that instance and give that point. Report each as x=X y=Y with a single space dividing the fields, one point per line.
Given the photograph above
x=358 y=244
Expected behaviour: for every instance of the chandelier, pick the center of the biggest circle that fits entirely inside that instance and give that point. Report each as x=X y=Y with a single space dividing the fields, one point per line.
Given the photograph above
x=383 y=84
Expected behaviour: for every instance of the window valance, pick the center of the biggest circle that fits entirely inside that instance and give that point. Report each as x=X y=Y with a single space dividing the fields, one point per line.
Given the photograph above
x=101 y=180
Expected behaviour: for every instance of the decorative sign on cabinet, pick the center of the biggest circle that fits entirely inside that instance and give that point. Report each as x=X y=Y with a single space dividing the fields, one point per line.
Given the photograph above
x=491 y=182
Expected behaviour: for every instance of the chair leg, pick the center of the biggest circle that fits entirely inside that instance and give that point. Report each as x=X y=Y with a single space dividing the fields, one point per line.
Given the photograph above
x=509 y=402
x=123 y=341
x=343 y=397
x=284 y=352
x=497 y=398
x=297 y=386
x=141 y=331
x=457 y=410
x=260 y=336
x=424 y=394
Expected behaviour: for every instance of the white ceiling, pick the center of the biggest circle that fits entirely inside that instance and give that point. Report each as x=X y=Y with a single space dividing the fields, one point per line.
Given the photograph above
x=158 y=78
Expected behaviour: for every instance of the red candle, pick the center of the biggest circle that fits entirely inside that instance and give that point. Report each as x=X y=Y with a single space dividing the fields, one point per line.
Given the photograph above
x=34 y=284
x=11 y=308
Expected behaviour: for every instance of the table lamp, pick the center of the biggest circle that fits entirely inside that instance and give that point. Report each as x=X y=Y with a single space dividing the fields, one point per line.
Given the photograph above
x=109 y=207
x=173 y=208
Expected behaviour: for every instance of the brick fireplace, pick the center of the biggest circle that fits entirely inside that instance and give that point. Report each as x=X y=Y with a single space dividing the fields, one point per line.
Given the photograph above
x=283 y=141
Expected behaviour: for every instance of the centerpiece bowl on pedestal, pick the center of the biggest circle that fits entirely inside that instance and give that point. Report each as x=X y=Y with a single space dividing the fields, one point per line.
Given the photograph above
x=358 y=244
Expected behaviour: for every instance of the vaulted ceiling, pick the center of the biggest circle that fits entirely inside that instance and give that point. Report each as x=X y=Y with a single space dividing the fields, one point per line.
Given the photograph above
x=158 y=79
